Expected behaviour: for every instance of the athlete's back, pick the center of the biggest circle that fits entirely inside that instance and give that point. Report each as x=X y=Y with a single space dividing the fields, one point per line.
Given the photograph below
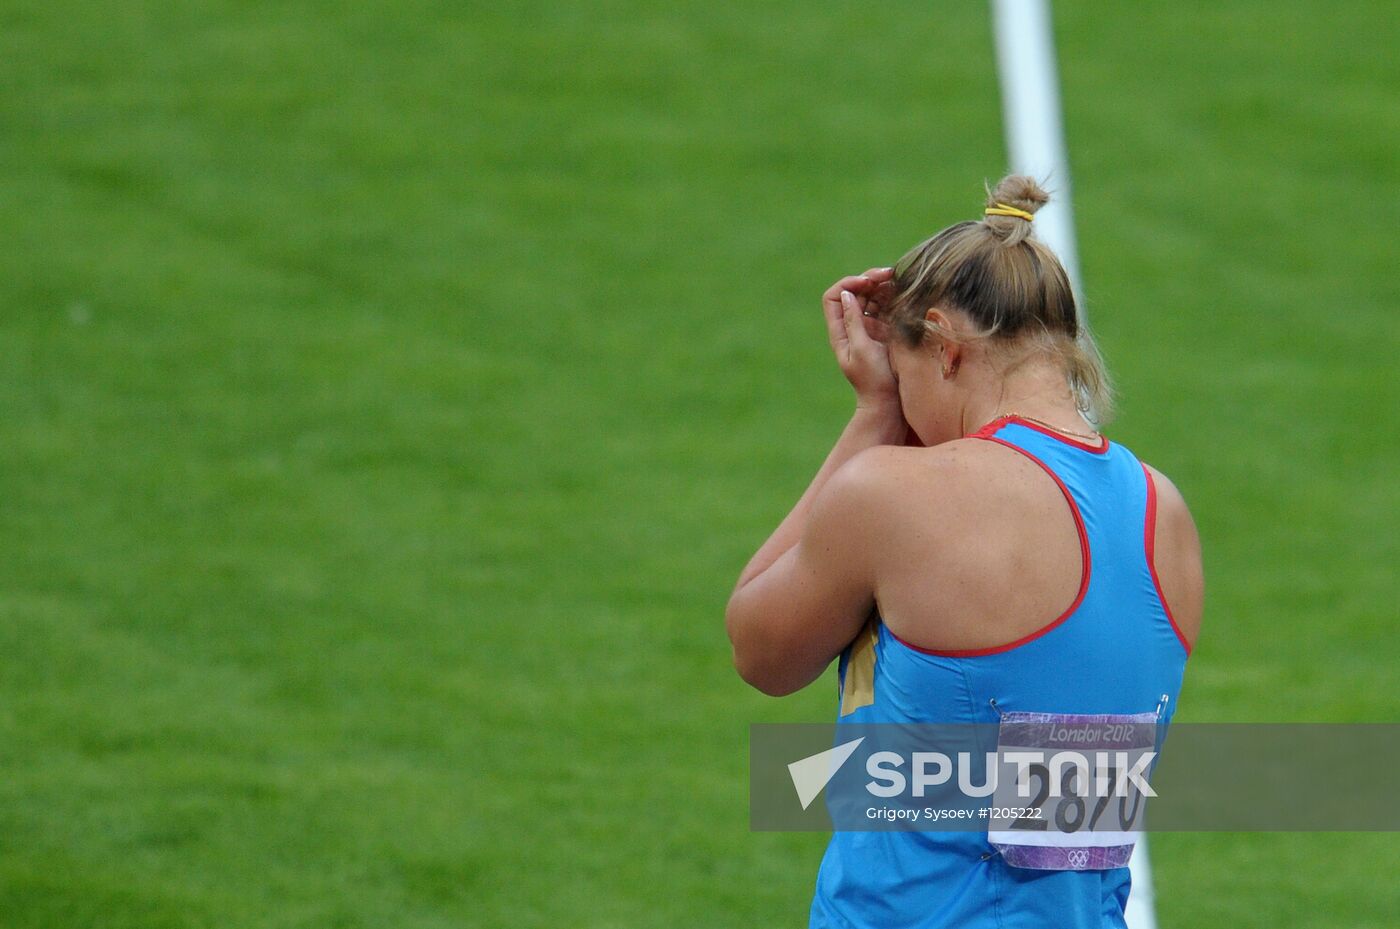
x=1114 y=650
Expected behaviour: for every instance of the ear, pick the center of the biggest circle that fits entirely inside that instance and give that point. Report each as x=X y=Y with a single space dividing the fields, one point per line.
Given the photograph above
x=950 y=348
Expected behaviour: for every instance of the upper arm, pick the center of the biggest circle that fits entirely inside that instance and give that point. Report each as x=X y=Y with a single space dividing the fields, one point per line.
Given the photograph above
x=1176 y=557
x=789 y=622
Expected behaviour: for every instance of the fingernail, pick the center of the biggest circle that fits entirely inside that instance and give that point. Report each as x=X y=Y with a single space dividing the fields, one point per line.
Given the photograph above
x=846 y=296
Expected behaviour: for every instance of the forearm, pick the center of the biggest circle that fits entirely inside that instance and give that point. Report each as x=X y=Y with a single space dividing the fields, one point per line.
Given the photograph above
x=868 y=427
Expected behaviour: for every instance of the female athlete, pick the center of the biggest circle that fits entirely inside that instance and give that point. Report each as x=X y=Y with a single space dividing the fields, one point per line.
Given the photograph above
x=972 y=546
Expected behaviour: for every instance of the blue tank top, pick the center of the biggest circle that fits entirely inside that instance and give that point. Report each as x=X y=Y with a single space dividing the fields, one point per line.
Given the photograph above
x=1115 y=650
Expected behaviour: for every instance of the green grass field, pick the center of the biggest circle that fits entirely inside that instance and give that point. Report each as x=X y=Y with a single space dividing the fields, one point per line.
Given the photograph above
x=393 y=391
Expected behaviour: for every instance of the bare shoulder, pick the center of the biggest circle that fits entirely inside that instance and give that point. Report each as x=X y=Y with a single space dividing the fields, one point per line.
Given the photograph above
x=1176 y=556
x=890 y=485
x=960 y=463
x=1173 y=515
x=976 y=475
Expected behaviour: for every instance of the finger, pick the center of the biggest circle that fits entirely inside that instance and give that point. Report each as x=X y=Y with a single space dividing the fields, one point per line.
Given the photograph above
x=860 y=286
x=880 y=299
x=831 y=303
x=834 y=311
x=856 y=336
x=855 y=283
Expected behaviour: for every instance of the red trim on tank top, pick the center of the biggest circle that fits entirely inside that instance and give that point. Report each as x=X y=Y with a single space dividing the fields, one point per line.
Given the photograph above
x=1083 y=576
x=989 y=430
x=1149 y=545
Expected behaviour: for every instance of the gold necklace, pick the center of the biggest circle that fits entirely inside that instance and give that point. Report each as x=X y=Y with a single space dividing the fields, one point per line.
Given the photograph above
x=1091 y=437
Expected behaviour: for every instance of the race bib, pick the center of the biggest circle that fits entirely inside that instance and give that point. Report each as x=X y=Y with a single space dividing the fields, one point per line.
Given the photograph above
x=1071 y=789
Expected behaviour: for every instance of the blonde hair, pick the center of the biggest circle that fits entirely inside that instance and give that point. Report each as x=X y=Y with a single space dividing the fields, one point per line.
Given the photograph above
x=1012 y=287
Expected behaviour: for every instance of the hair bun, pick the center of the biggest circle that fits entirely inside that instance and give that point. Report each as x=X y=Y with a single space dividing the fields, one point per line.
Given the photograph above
x=1021 y=192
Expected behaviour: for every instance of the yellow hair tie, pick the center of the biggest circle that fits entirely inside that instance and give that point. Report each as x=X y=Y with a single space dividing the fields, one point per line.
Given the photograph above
x=1002 y=209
